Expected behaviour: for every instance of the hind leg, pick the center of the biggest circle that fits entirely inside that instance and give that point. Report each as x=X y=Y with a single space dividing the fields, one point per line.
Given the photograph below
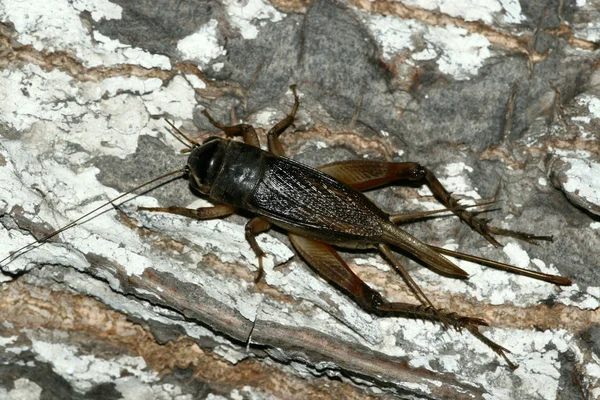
x=328 y=263
x=365 y=175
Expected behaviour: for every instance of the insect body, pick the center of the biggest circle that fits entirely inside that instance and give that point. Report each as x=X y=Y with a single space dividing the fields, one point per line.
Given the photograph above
x=324 y=207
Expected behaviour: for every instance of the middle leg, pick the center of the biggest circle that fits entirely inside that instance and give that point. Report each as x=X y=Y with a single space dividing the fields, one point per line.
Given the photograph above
x=255 y=226
x=273 y=134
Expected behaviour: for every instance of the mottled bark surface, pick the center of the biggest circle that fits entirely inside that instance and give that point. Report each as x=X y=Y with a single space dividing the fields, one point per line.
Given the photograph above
x=134 y=305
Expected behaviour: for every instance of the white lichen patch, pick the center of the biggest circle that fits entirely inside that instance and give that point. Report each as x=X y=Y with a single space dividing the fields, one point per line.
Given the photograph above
x=517 y=256
x=390 y=328
x=168 y=391
x=29 y=95
x=512 y=11
x=66 y=191
x=432 y=347
x=96 y=117
x=457 y=52
x=537 y=356
x=247 y=14
x=577 y=176
x=23 y=389
x=376 y=262
x=113 y=86
x=592 y=103
x=394 y=35
x=582 y=118
x=474 y=10
x=4 y=341
x=131 y=388
x=84 y=371
x=202 y=46
x=588 y=31
x=460 y=54
x=196 y=82
x=55 y=25
x=583 y=180
x=455 y=178
x=17 y=191
x=177 y=99
x=265 y=118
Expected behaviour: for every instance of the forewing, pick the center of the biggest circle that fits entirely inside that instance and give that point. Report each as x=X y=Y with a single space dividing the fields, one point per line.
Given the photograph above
x=303 y=197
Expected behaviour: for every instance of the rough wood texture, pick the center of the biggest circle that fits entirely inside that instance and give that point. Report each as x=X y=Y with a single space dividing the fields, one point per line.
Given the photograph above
x=138 y=305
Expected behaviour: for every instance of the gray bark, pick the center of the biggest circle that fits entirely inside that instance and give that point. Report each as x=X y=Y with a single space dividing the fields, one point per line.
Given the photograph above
x=131 y=304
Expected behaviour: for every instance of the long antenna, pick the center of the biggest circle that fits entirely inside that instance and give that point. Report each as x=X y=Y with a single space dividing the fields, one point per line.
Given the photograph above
x=191 y=141
x=71 y=224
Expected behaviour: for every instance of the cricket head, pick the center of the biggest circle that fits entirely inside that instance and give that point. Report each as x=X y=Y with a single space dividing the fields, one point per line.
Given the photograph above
x=204 y=163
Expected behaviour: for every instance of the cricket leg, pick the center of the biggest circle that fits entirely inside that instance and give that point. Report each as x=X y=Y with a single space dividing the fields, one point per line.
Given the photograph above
x=244 y=130
x=413 y=216
x=328 y=263
x=479 y=224
x=254 y=227
x=273 y=134
x=412 y=285
x=365 y=175
x=221 y=210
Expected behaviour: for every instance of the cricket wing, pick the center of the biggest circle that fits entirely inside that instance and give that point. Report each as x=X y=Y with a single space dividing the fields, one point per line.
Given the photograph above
x=310 y=202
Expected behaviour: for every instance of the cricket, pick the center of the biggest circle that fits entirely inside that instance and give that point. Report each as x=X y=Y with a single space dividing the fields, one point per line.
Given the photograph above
x=324 y=208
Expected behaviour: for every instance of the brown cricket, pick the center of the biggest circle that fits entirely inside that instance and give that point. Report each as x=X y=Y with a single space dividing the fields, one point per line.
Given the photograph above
x=324 y=207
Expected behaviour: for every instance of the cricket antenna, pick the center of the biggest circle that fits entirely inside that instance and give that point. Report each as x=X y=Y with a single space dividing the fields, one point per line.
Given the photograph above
x=176 y=130
x=22 y=250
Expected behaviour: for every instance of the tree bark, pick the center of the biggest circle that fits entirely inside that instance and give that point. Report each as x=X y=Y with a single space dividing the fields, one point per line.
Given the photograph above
x=132 y=304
